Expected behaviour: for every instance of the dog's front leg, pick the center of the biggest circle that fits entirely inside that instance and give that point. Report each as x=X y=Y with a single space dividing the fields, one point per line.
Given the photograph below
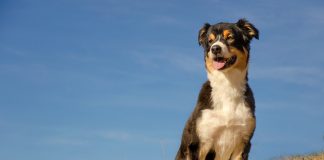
x=241 y=151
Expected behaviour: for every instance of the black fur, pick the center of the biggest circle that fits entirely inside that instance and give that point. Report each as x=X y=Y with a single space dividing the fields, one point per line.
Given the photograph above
x=243 y=32
x=189 y=136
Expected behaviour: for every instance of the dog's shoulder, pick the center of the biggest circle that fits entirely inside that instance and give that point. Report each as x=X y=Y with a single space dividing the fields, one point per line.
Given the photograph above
x=203 y=102
x=189 y=136
x=204 y=99
x=249 y=99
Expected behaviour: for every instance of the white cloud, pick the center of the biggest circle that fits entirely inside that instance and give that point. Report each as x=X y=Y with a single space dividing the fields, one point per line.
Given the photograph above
x=13 y=51
x=116 y=135
x=178 y=58
x=166 y=20
x=126 y=136
x=79 y=137
x=57 y=140
x=310 y=76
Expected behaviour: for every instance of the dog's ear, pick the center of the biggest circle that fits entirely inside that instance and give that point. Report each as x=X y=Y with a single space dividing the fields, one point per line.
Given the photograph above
x=202 y=36
x=248 y=29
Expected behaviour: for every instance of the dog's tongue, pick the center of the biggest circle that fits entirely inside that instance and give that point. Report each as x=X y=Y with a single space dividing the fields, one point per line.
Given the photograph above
x=218 y=65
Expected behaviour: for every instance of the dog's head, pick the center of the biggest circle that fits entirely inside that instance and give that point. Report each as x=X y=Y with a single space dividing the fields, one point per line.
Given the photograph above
x=227 y=45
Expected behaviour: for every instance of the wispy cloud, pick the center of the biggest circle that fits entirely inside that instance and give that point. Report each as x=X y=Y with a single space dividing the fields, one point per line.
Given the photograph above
x=13 y=51
x=166 y=20
x=81 y=137
x=311 y=76
x=126 y=136
x=66 y=141
x=116 y=135
x=177 y=58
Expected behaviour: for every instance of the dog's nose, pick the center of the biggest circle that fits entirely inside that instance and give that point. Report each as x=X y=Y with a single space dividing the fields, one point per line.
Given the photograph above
x=216 y=49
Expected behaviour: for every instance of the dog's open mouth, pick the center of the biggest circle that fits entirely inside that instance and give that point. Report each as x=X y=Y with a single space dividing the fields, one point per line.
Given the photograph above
x=221 y=63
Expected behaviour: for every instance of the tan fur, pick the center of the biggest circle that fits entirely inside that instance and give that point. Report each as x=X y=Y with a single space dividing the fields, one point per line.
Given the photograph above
x=209 y=64
x=230 y=121
x=242 y=58
x=241 y=61
x=251 y=32
x=226 y=33
x=223 y=121
x=238 y=150
x=211 y=37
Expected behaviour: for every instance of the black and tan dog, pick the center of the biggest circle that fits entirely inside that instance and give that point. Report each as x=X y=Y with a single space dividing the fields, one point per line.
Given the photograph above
x=223 y=121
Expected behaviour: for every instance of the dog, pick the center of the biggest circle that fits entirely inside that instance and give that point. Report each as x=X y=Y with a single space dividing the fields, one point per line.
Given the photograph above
x=223 y=121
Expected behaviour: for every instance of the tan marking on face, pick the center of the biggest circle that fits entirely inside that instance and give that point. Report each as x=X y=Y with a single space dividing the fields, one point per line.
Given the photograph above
x=211 y=37
x=209 y=64
x=226 y=33
x=241 y=58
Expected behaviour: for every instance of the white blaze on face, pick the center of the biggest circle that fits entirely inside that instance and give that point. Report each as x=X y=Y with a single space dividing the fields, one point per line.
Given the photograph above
x=225 y=51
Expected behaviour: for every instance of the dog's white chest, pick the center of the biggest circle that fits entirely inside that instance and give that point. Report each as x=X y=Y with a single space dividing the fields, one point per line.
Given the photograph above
x=224 y=115
x=222 y=126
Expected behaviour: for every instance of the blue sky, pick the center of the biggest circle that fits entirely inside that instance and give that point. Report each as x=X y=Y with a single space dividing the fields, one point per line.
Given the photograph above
x=117 y=79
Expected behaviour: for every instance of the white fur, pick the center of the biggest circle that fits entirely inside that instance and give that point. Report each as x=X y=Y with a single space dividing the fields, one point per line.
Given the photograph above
x=225 y=50
x=229 y=112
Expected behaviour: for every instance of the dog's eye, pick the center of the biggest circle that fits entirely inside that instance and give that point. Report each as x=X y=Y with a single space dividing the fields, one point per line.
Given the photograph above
x=210 y=41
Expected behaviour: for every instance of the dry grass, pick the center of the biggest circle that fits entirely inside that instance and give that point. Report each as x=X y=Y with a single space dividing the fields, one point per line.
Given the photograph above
x=314 y=156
